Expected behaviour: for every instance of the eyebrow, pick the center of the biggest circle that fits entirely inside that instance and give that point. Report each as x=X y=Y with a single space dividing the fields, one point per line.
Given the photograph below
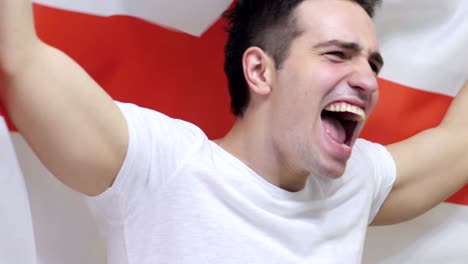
x=375 y=56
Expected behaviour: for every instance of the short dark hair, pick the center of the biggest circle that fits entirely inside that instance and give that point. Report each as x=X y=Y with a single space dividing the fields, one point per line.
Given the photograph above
x=267 y=24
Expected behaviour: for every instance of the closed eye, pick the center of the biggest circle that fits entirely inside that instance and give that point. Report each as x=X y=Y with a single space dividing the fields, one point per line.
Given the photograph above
x=337 y=55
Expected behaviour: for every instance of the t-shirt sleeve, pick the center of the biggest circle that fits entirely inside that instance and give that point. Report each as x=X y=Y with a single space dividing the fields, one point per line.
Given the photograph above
x=382 y=168
x=157 y=146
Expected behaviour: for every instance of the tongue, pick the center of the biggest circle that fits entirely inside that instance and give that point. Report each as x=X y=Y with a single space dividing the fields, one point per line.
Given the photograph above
x=334 y=129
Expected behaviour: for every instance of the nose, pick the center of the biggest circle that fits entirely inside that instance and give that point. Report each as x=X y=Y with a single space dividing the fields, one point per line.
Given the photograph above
x=363 y=78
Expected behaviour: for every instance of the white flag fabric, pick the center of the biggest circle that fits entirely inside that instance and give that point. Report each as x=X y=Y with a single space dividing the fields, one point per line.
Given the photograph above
x=127 y=47
x=16 y=231
x=439 y=236
x=424 y=43
x=65 y=231
x=192 y=17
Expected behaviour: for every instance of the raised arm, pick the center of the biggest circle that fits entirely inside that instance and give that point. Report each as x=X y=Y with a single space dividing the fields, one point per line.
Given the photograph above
x=431 y=166
x=73 y=126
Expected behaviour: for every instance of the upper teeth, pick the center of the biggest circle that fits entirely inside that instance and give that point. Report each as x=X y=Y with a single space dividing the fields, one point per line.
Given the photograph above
x=358 y=112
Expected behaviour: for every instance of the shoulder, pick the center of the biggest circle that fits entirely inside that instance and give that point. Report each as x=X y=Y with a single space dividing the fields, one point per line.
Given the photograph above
x=157 y=123
x=364 y=149
x=371 y=158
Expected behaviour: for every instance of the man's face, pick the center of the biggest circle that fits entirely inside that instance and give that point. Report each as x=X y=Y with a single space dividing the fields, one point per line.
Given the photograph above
x=326 y=87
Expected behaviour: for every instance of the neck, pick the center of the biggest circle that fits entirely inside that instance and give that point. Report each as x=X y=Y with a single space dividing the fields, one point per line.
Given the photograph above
x=251 y=141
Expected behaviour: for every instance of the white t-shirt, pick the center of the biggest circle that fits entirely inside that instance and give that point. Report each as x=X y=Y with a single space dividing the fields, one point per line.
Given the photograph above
x=180 y=198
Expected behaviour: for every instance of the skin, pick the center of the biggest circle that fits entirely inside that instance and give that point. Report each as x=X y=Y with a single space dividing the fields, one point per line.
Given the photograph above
x=281 y=135
x=43 y=90
x=328 y=62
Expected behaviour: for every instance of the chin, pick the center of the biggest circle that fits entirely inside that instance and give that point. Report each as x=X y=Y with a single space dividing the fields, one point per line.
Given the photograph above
x=334 y=174
x=334 y=170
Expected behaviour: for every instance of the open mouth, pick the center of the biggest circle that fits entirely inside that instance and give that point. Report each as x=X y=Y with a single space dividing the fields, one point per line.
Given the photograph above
x=341 y=120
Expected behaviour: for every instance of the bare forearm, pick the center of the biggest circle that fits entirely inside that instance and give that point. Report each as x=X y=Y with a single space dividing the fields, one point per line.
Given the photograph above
x=455 y=122
x=456 y=117
x=17 y=34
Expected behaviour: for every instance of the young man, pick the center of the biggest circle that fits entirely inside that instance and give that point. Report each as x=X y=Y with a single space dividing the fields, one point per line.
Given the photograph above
x=288 y=184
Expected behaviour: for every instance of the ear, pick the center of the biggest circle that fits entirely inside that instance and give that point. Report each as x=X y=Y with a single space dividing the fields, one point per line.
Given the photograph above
x=258 y=70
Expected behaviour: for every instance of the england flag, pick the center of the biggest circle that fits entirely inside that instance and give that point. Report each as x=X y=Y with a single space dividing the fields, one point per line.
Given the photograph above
x=168 y=56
